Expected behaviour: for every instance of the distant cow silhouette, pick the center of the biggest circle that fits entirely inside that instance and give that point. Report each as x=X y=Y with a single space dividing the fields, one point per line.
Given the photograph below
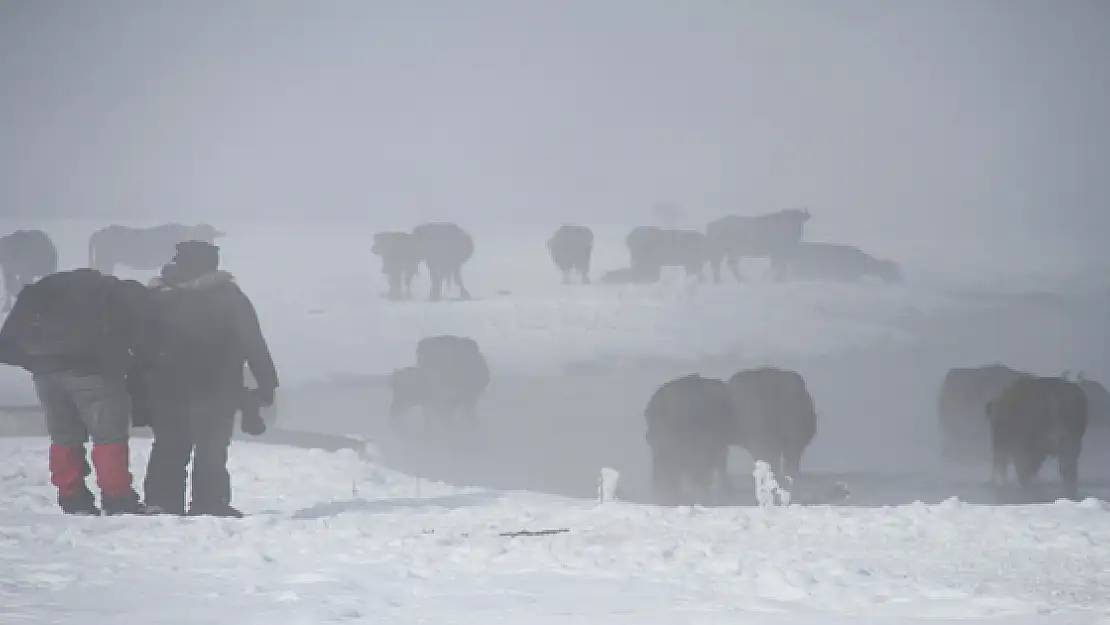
x=837 y=262
x=571 y=248
x=449 y=378
x=142 y=248
x=444 y=247
x=733 y=237
x=963 y=396
x=400 y=261
x=25 y=256
x=650 y=249
x=776 y=417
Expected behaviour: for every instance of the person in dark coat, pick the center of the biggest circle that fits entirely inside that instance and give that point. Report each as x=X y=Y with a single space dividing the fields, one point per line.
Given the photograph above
x=203 y=332
x=74 y=331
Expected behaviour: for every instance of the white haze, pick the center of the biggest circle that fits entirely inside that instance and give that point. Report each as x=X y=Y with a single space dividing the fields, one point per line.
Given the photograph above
x=968 y=140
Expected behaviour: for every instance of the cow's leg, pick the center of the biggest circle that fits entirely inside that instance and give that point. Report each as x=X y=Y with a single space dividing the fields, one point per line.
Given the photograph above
x=1069 y=469
x=436 y=276
x=459 y=281
x=1027 y=464
x=734 y=266
x=664 y=477
x=566 y=275
x=584 y=269
x=394 y=277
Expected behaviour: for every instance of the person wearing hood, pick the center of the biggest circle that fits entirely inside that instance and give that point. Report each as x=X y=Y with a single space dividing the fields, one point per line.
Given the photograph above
x=203 y=332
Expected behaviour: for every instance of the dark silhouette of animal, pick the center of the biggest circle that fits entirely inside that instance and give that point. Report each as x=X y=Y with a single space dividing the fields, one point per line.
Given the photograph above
x=143 y=248
x=449 y=378
x=445 y=248
x=650 y=249
x=571 y=248
x=834 y=261
x=400 y=261
x=963 y=396
x=25 y=256
x=1035 y=418
x=775 y=415
x=770 y=236
x=690 y=426
x=1098 y=402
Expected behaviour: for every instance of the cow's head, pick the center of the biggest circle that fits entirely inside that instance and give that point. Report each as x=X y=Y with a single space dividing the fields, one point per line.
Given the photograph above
x=206 y=233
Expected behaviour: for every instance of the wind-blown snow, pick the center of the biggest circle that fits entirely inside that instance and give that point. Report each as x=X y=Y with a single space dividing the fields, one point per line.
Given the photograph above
x=350 y=541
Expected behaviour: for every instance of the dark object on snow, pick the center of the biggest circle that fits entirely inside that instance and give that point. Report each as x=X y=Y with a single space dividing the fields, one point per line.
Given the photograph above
x=571 y=248
x=142 y=248
x=836 y=262
x=961 y=400
x=250 y=413
x=775 y=416
x=550 y=532
x=770 y=236
x=450 y=376
x=204 y=330
x=690 y=425
x=25 y=256
x=650 y=249
x=400 y=261
x=445 y=248
x=1037 y=417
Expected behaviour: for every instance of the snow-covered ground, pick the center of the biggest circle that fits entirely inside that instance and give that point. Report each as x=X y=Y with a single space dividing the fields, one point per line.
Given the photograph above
x=405 y=550
x=334 y=539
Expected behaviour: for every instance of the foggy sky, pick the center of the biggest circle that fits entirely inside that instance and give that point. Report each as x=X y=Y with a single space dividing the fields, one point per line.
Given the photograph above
x=884 y=112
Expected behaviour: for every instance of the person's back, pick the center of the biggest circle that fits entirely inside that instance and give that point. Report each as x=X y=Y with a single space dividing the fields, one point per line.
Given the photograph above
x=205 y=329
x=72 y=331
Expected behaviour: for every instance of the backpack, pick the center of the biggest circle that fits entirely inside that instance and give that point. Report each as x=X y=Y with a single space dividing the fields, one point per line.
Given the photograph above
x=194 y=331
x=63 y=314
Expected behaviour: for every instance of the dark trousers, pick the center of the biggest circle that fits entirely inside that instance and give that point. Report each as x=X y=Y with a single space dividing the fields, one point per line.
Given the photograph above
x=198 y=425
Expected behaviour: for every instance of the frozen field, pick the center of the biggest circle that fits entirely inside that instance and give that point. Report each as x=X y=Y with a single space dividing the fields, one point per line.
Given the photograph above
x=353 y=542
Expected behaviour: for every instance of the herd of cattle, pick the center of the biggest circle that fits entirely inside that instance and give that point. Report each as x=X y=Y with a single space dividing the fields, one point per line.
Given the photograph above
x=692 y=421
x=445 y=247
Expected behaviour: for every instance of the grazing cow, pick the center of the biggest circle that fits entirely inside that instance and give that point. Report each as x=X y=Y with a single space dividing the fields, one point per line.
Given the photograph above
x=450 y=376
x=651 y=249
x=400 y=261
x=143 y=248
x=444 y=247
x=776 y=417
x=690 y=426
x=837 y=262
x=1034 y=418
x=770 y=236
x=963 y=396
x=25 y=256
x=571 y=248
x=1098 y=402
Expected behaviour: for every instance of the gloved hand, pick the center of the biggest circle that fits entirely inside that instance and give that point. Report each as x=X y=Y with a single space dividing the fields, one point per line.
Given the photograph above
x=252 y=423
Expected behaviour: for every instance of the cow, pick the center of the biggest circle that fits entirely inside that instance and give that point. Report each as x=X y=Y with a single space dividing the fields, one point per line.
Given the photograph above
x=143 y=248
x=1098 y=402
x=690 y=426
x=25 y=256
x=775 y=415
x=650 y=249
x=770 y=236
x=400 y=261
x=449 y=378
x=964 y=394
x=837 y=262
x=1032 y=419
x=444 y=247
x=571 y=248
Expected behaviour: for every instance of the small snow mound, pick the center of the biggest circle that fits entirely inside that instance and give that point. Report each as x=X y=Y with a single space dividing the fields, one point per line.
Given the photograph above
x=1091 y=503
x=767 y=490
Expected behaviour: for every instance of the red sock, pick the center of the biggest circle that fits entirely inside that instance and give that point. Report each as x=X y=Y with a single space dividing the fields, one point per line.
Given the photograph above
x=67 y=469
x=112 y=464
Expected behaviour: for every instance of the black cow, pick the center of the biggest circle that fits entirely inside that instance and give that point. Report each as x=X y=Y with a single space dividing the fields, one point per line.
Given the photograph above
x=1034 y=418
x=770 y=236
x=143 y=248
x=650 y=249
x=25 y=256
x=837 y=262
x=690 y=426
x=776 y=417
x=450 y=377
x=400 y=261
x=571 y=248
x=445 y=248
x=963 y=396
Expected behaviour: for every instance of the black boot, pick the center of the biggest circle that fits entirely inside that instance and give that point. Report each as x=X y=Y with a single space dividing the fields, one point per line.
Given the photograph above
x=82 y=504
x=217 y=510
x=124 y=504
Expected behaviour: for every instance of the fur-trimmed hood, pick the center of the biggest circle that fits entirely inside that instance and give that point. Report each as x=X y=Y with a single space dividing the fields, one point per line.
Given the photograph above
x=210 y=279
